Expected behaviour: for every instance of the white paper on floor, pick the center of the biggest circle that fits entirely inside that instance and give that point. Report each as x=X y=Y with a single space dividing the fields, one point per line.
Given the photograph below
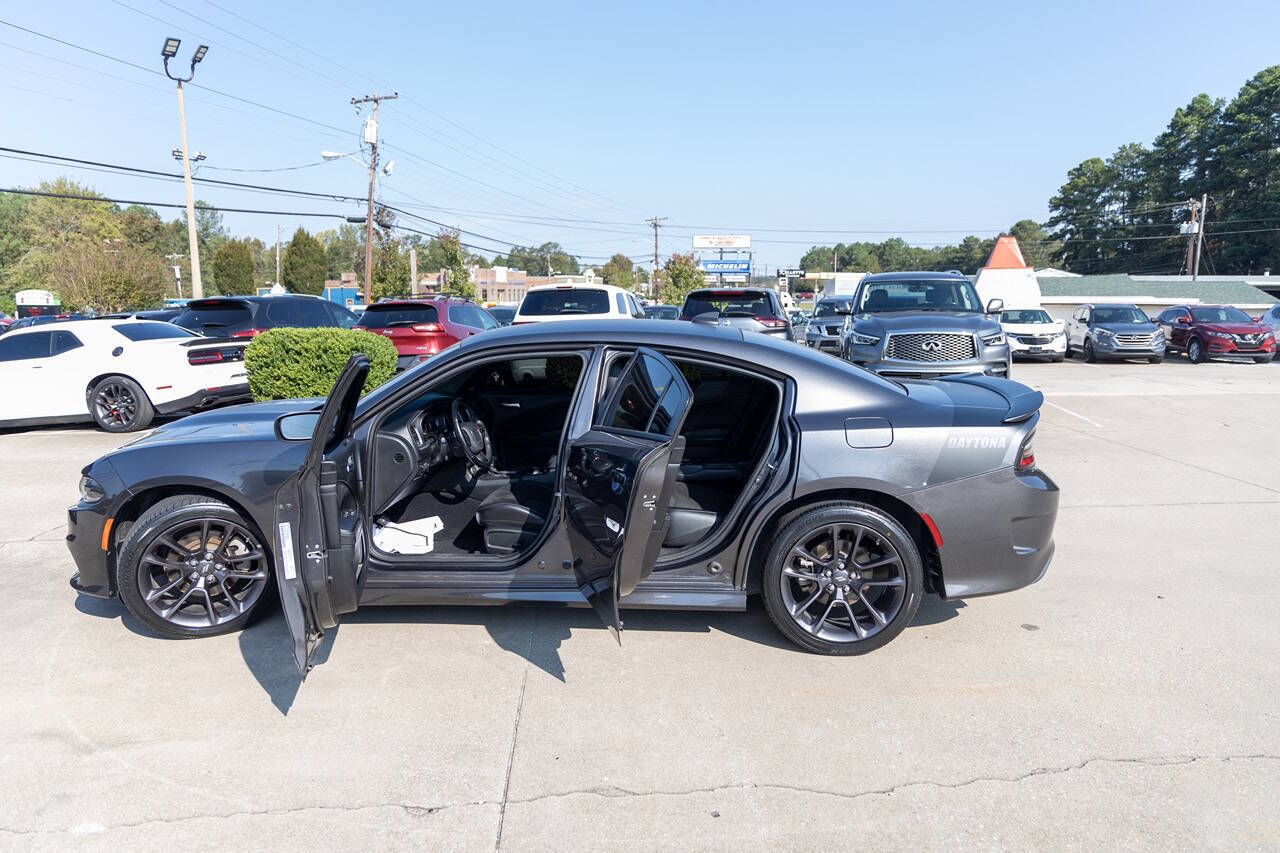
x=410 y=537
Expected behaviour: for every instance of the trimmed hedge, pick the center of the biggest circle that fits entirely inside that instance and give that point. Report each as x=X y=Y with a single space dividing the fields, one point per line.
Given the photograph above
x=287 y=363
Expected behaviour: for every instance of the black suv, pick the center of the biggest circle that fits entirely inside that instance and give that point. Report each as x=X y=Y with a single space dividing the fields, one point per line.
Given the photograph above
x=246 y=316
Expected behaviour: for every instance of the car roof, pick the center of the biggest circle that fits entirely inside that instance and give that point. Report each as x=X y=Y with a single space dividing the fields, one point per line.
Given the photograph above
x=573 y=286
x=926 y=275
x=205 y=300
x=91 y=326
x=417 y=300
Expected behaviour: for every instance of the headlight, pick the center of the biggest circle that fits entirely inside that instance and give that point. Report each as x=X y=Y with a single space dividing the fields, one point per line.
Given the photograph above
x=90 y=491
x=1057 y=335
x=863 y=340
x=994 y=340
x=1106 y=333
x=1267 y=336
x=1222 y=335
x=1158 y=335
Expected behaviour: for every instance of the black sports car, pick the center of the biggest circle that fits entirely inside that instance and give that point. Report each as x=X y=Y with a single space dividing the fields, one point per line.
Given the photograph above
x=581 y=462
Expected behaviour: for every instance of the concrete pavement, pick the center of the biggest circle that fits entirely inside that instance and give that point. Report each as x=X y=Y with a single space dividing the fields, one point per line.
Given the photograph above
x=1127 y=700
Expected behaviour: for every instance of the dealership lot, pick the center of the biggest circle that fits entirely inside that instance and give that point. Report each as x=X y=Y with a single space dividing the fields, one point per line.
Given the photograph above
x=1128 y=699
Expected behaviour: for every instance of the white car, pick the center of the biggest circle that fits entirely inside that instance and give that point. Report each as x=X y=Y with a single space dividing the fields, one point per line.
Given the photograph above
x=118 y=373
x=1032 y=333
x=576 y=301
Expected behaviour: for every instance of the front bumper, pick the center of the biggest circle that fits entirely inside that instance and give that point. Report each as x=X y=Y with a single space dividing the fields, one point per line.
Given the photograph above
x=1224 y=347
x=825 y=343
x=1057 y=346
x=207 y=398
x=84 y=541
x=994 y=362
x=1108 y=347
x=1005 y=545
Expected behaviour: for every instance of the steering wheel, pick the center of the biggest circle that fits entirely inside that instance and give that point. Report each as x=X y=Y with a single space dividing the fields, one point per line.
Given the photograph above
x=471 y=433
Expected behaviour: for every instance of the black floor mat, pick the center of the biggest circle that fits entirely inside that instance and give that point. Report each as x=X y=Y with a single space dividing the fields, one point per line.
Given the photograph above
x=461 y=534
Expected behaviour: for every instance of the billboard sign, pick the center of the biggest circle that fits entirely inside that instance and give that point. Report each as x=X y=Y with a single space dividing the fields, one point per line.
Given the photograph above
x=722 y=241
x=791 y=273
x=727 y=265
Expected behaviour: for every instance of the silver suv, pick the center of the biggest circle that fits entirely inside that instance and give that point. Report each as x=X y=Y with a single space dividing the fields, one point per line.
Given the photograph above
x=925 y=325
x=754 y=309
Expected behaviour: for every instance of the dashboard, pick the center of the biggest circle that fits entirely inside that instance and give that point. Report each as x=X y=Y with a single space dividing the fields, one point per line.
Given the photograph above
x=409 y=448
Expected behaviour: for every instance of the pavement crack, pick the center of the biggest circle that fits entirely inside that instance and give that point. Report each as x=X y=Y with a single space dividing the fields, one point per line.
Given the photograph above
x=1151 y=761
x=35 y=537
x=515 y=733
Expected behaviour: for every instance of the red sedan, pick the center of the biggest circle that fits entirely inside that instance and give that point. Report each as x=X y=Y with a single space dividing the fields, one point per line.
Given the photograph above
x=420 y=328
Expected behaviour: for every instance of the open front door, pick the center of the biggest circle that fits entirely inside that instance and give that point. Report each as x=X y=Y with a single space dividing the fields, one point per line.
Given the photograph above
x=619 y=479
x=319 y=537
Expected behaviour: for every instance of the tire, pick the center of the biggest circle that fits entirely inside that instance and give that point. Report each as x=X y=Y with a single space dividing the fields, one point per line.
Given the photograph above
x=203 y=608
x=824 y=621
x=1058 y=359
x=1195 y=352
x=1155 y=359
x=1068 y=353
x=1089 y=355
x=1263 y=359
x=118 y=404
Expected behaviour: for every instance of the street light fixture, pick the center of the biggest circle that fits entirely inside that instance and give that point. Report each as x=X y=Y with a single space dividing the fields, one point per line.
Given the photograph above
x=169 y=51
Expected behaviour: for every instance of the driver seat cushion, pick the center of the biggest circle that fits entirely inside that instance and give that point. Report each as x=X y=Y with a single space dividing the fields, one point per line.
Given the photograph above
x=512 y=516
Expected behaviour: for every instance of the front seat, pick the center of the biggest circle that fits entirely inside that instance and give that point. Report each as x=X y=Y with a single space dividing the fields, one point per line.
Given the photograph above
x=511 y=517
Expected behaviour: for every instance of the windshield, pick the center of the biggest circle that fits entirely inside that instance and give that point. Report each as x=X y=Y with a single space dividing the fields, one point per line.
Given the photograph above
x=1220 y=315
x=828 y=308
x=921 y=295
x=566 y=300
x=1119 y=314
x=1030 y=315
x=385 y=316
x=727 y=303
x=214 y=315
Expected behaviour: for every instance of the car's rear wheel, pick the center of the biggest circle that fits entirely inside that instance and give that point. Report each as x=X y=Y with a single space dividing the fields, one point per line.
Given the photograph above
x=191 y=566
x=1195 y=351
x=118 y=404
x=842 y=578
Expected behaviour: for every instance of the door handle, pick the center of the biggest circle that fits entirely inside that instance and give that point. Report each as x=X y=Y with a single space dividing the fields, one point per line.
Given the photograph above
x=511 y=405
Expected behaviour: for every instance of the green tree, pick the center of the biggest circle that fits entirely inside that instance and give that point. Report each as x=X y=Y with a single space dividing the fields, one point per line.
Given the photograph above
x=233 y=267
x=534 y=260
x=303 y=267
x=619 y=272
x=107 y=278
x=343 y=248
x=679 y=275
x=457 y=277
x=1038 y=248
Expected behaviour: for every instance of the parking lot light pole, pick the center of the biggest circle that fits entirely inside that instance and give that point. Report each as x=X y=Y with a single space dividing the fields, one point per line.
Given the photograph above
x=169 y=51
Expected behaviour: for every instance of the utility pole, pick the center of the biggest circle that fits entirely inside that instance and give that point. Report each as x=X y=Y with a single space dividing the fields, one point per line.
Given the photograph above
x=1204 y=215
x=1191 y=237
x=655 y=221
x=413 y=270
x=371 y=137
x=277 y=255
x=169 y=51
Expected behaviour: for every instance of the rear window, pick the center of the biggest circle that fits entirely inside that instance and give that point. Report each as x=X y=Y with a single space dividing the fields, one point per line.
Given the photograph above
x=211 y=316
x=384 y=316
x=568 y=300
x=297 y=313
x=151 y=331
x=502 y=313
x=727 y=303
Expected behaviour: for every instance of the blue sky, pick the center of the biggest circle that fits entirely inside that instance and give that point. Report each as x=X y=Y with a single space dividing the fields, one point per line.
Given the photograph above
x=842 y=121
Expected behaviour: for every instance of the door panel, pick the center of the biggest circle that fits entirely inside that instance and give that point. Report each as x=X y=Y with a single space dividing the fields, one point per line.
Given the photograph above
x=320 y=527
x=618 y=481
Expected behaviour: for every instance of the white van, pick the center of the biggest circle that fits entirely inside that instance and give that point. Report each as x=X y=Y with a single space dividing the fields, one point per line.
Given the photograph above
x=550 y=302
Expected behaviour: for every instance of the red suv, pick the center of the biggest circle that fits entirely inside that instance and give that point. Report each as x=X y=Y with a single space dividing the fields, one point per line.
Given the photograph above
x=1214 y=331
x=420 y=328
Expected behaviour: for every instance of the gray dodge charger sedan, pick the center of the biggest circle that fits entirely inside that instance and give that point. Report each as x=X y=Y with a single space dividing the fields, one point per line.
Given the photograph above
x=660 y=465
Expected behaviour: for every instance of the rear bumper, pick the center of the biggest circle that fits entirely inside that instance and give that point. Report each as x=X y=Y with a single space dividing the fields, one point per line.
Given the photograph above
x=207 y=398
x=997 y=530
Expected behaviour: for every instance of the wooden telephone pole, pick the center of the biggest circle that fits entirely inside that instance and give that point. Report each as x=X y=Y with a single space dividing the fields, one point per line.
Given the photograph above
x=371 y=137
x=653 y=279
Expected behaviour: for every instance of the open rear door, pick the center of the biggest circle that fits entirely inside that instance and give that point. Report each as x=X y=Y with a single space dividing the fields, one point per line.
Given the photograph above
x=319 y=537
x=619 y=478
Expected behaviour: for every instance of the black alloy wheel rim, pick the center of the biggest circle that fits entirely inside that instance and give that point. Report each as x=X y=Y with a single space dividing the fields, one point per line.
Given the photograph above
x=202 y=573
x=843 y=582
x=115 y=404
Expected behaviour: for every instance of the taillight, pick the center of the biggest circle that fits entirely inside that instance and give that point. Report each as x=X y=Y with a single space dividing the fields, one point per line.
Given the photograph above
x=1026 y=455
x=208 y=356
x=771 y=322
x=427 y=327
x=248 y=333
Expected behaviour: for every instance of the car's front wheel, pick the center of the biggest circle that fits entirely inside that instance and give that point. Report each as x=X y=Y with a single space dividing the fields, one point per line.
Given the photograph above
x=1263 y=359
x=1195 y=352
x=1089 y=354
x=118 y=404
x=842 y=578
x=191 y=566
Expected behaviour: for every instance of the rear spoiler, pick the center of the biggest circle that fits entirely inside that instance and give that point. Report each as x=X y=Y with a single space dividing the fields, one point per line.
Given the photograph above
x=1023 y=401
x=202 y=342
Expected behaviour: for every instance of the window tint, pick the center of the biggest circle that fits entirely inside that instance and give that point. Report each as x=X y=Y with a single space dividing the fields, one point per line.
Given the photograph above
x=642 y=404
x=466 y=315
x=620 y=303
x=18 y=347
x=567 y=300
x=210 y=318
x=921 y=295
x=150 y=331
x=344 y=318
x=64 y=341
x=382 y=316
x=487 y=320
x=727 y=303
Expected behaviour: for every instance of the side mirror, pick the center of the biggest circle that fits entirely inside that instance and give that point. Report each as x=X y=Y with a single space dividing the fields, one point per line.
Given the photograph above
x=297 y=426
x=1258 y=319
x=1183 y=320
x=995 y=306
